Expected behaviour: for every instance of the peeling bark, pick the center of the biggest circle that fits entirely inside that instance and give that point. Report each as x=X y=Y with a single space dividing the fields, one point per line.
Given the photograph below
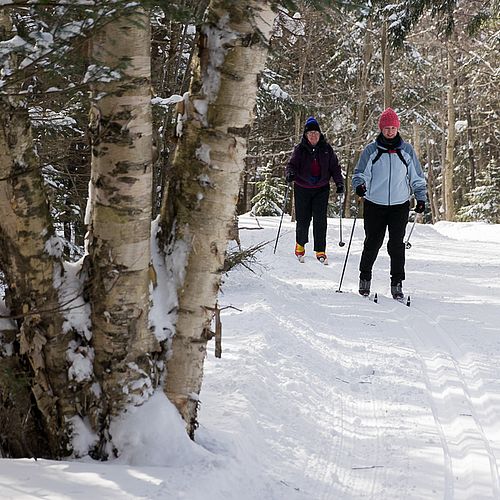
x=206 y=174
x=31 y=268
x=120 y=216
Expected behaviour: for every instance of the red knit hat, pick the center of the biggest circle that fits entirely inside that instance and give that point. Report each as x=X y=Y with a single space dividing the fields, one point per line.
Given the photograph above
x=388 y=118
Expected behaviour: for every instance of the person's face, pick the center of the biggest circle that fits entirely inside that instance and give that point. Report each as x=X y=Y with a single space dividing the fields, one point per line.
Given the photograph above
x=390 y=132
x=313 y=137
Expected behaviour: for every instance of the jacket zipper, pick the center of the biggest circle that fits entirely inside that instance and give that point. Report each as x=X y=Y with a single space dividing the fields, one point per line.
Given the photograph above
x=390 y=176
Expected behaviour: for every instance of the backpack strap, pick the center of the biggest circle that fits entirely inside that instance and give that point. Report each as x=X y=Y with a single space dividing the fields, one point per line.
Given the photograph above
x=380 y=152
x=401 y=157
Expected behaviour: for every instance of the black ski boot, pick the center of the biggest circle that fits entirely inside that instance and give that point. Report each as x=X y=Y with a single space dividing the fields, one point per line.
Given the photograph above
x=397 y=291
x=364 y=287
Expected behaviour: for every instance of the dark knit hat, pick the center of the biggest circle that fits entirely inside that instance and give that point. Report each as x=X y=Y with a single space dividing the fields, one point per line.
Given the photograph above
x=388 y=118
x=311 y=124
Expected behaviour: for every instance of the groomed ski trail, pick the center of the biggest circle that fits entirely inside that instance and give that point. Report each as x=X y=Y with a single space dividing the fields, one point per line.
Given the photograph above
x=368 y=400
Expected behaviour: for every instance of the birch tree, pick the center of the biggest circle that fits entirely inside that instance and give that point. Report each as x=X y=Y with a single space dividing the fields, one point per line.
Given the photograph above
x=218 y=112
x=95 y=367
x=30 y=260
x=119 y=216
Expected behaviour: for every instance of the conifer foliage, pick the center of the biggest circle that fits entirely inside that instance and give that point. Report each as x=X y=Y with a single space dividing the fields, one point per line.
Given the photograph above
x=270 y=194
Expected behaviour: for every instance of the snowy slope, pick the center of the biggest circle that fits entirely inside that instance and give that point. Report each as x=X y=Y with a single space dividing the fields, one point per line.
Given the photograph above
x=326 y=395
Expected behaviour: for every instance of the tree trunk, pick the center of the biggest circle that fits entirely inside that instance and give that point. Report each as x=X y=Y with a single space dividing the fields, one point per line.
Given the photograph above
x=120 y=217
x=431 y=184
x=470 y=142
x=450 y=142
x=442 y=209
x=299 y=100
x=233 y=46
x=361 y=113
x=386 y=62
x=416 y=140
x=30 y=261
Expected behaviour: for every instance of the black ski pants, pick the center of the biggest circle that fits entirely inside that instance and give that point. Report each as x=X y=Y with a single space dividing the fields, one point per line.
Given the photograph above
x=376 y=219
x=311 y=203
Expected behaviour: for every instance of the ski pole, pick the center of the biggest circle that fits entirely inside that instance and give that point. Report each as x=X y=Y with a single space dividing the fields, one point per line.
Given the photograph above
x=281 y=219
x=407 y=242
x=341 y=243
x=348 y=249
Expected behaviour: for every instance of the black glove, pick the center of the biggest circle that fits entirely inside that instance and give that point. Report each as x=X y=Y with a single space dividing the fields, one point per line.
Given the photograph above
x=290 y=177
x=361 y=190
x=340 y=188
x=420 y=207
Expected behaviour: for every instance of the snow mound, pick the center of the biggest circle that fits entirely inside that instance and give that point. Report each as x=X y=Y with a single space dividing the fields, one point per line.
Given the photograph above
x=154 y=434
x=470 y=231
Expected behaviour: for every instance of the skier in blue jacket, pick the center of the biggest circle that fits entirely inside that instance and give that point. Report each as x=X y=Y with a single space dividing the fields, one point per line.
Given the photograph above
x=387 y=174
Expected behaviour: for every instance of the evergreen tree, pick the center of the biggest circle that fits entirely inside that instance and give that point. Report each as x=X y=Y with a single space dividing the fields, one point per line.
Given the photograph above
x=484 y=200
x=270 y=194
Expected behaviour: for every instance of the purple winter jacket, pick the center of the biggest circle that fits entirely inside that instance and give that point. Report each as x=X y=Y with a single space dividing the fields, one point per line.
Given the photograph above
x=300 y=164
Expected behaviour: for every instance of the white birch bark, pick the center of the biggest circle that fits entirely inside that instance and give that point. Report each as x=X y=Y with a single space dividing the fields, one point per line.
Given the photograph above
x=206 y=174
x=120 y=215
x=31 y=266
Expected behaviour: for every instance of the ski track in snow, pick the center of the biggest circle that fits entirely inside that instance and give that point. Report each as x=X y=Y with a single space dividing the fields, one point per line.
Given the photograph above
x=410 y=407
x=468 y=451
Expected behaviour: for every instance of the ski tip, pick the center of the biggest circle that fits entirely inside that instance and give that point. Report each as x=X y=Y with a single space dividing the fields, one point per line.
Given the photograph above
x=375 y=298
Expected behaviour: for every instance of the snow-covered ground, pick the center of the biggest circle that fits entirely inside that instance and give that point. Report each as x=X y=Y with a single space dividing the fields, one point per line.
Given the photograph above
x=325 y=395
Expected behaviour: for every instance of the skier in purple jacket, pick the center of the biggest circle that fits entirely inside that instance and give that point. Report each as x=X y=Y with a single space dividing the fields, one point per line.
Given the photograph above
x=312 y=164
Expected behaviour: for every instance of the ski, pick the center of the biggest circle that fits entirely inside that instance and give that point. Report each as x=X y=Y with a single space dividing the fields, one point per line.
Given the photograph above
x=302 y=259
x=406 y=300
x=370 y=296
x=403 y=300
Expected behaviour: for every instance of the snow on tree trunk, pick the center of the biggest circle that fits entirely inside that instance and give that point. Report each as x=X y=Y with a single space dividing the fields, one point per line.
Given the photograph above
x=208 y=163
x=470 y=140
x=119 y=215
x=30 y=261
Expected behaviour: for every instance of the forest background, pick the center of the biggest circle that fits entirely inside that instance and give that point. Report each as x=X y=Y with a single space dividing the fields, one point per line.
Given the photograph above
x=117 y=114
x=346 y=67
x=343 y=63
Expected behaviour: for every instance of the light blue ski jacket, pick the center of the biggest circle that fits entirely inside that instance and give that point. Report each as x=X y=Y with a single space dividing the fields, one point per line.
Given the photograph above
x=387 y=179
